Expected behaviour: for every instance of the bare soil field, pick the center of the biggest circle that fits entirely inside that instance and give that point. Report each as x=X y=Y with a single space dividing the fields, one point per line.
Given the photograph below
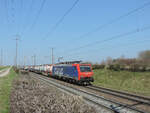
x=33 y=96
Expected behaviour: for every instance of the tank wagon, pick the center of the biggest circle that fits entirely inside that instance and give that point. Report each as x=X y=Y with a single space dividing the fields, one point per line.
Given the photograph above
x=74 y=71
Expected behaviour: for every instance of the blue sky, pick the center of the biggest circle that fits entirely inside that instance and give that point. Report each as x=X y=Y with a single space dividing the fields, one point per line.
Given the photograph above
x=23 y=17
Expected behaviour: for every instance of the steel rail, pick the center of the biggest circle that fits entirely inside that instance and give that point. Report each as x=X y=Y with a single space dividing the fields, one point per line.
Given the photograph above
x=121 y=92
x=131 y=97
x=87 y=99
x=115 y=106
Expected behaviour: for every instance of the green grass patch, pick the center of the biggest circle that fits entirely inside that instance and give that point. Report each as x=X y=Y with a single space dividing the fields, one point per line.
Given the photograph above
x=134 y=82
x=5 y=88
x=3 y=67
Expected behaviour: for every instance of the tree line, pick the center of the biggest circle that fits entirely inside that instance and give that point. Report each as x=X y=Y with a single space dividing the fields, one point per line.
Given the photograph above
x=139 y=64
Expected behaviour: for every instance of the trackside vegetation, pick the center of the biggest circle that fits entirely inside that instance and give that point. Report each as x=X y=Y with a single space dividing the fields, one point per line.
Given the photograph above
x=134 y=82
x=5 y=88
x=2 y=67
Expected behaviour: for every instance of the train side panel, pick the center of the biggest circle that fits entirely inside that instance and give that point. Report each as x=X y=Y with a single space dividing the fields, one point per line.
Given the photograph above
x=65 y=71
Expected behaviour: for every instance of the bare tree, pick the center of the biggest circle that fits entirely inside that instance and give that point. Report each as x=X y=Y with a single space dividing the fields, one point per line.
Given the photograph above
x=109 y=60
x=144 y=55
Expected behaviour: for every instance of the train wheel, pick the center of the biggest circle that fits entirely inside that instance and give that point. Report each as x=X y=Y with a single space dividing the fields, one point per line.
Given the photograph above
x=84 y=83
x=80 y=83
x=70 y=81
x=73 y=81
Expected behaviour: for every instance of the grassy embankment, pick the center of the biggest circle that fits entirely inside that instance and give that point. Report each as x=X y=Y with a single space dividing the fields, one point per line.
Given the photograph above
x=134 y=82
x=5 y=87
x=2 y=67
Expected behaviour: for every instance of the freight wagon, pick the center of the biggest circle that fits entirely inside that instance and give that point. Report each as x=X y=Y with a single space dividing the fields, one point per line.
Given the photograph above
x=73 y=72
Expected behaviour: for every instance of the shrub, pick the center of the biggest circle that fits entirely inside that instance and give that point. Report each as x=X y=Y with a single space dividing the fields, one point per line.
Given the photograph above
x=122 y=67
x=147 y=68
x=134 y=67
x=142 y=68
x=109 y=67
x=97 y=66
x=16 y=69
x=116 y=67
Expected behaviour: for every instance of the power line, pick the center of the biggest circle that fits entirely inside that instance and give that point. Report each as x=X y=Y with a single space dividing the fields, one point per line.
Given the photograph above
x=112 y=38
x=110 y=47
x=114 y=20
x=13 y=15
x=6 y=7
x=20 y=12
x=13 y=11
x=28 y=15
x=61 y=19
x=131 y=44
x=38 y=14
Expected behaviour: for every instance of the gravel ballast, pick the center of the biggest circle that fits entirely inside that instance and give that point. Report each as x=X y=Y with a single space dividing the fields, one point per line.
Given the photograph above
x=33 y=96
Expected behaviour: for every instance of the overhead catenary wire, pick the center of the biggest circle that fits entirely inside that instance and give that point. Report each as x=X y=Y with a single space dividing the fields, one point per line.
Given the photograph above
x=114 y=20
x=6 y=7
x=144 y=42
x=13 y=11
x=61 y=19
x=111 y=38
x=20 y=12
x=28 y=15
x=110 y=47
x=14 y=15
x=129 y=45
x=109 y=23
x=98 y=41
x=38 y=14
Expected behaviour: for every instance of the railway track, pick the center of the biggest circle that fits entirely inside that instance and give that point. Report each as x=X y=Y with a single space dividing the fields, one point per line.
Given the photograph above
x=139 y=102
x=97 y=100
x=129 y=96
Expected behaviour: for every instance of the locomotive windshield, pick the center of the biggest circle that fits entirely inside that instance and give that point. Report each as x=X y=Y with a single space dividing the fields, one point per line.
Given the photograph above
x=85 y=69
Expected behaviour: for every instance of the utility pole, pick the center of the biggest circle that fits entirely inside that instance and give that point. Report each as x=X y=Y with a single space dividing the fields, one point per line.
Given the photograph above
x=24 y=61
x=52 y=57
x=1 y=57
x=32 y=63
x=34 y=59
x=17 y=38
x=59 y=59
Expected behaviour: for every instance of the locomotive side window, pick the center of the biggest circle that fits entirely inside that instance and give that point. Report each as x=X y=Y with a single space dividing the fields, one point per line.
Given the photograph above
x=85 y=69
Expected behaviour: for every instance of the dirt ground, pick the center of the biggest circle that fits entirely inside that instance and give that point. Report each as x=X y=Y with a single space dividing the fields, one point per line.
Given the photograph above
x=4 y=72
x=33 y=96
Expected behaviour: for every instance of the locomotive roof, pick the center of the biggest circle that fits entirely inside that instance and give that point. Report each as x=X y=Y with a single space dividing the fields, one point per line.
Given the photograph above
x=71 y=62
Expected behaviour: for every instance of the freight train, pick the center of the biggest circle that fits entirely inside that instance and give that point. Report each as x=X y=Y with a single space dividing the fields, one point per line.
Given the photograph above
x=74 y=71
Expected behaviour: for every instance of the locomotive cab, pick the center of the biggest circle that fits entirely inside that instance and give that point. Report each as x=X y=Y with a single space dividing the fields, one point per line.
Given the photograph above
x=85 y=73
